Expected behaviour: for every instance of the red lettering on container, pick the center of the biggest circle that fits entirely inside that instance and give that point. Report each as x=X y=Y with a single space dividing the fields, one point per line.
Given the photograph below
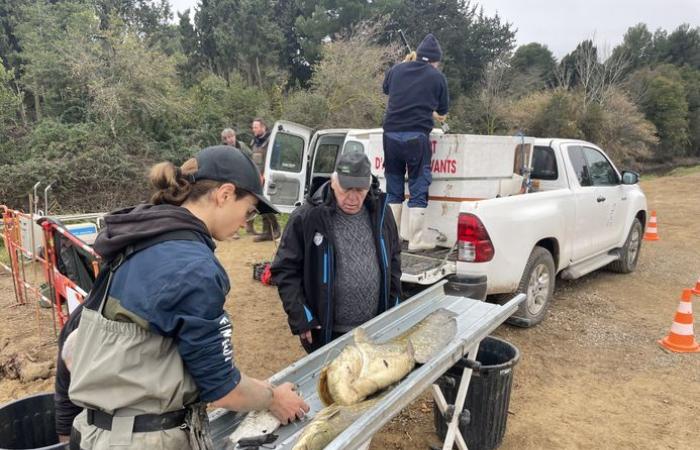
x=444 y=166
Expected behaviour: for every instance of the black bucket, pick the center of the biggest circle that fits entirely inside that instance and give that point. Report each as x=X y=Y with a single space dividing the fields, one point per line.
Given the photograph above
x=483 y=421
x=29 y=423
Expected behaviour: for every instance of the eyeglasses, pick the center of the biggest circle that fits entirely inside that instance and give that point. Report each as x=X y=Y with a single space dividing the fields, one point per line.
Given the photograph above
x=252 y=214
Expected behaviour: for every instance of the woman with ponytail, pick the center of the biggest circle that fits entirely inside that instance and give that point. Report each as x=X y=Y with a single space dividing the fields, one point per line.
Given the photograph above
x=153 y=345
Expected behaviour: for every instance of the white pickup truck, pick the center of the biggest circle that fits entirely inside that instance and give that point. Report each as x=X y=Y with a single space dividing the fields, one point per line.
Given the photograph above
x=509 y=213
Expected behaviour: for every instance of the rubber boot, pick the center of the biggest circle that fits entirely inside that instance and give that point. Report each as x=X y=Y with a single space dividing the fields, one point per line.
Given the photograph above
x=266 y=235
x=276 y=232
x=250 y=228
x=396 y=211
x=416 y=230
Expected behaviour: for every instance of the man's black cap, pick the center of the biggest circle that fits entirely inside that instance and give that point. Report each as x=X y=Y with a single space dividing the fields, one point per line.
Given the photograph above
x=354 y=170
x=230 y=165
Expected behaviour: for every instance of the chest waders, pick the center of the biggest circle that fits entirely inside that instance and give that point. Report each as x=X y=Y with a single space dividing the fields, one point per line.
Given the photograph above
x=133 y=384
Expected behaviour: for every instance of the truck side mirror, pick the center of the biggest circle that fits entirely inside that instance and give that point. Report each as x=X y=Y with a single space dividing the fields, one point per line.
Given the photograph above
x=630 y=177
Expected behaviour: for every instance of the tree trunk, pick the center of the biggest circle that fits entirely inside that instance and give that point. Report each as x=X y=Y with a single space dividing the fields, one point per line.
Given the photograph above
x=37 y=104
x=257 y=70
x=22 y=111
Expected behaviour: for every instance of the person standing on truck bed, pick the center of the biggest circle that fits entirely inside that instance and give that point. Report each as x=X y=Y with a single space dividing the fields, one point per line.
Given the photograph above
x=259 y=144
x=417 y=92
x=153 y=342
x=339 y=260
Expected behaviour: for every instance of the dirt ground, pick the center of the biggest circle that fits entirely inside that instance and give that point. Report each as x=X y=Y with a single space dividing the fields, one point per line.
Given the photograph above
x=590 y=376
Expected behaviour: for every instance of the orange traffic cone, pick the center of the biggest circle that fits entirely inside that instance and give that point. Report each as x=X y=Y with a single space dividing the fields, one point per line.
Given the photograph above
x=652 y=233
x=681 y=339
x=696 y=289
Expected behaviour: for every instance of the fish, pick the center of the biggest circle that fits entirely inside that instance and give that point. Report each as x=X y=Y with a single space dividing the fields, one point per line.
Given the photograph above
x=329 y=422
x=366 y=367
x=255 y=423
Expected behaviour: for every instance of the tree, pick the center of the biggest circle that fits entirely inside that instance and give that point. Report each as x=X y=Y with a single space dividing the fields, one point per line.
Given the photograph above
x=291 y=54
x=661 y=95
x=469 y=38
x=691 y=82
x=48 y=34
x=10 y=101
x=234 y=36
x=637 y=47
x=532 y=67
x=618 y=126
x=582 y=69
x=344 y=93
x=9 y=43
x=684 y=47
x=319 y=20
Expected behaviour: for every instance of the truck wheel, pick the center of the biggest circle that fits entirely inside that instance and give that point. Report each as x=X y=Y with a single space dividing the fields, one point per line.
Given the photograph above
x=629 y=254
x=538 y=284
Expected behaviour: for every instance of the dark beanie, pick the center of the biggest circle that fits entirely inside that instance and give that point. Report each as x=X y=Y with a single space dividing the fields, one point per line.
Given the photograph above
x=429 y=50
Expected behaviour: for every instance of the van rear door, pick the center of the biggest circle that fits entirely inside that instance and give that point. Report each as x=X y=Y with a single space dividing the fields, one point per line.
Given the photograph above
x=286 y=165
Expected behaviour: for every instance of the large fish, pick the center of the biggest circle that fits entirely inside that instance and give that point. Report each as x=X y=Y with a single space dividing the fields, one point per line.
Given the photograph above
x=255 y=423
x=329 y=423
x=366 y=367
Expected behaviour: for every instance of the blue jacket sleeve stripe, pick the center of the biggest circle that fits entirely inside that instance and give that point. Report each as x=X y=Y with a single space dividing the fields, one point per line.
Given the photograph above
x=309 y=316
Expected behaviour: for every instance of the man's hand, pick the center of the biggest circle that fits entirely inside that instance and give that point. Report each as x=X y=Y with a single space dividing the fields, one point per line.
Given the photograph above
x=438 y=117
x=306 y=335
x=286 y=404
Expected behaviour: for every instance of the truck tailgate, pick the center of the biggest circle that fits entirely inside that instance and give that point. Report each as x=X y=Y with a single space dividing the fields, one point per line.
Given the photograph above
x=428 y=266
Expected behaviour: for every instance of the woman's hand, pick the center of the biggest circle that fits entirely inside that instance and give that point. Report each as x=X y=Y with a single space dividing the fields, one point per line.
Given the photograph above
x=286 y=404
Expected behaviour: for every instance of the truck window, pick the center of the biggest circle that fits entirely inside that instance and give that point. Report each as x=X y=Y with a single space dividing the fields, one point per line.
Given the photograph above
x=325 y=159
x=287 y=153
x=544 y=164
x=578 y=161
x=600 y=169
x=352 y=146
x=327 y=153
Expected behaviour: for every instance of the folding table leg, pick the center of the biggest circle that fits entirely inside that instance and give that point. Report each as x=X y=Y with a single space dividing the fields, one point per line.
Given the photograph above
x=453 y=427
x=442 y=407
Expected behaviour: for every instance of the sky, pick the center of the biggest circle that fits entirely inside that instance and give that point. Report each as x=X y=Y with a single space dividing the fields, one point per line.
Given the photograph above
x=562 y=24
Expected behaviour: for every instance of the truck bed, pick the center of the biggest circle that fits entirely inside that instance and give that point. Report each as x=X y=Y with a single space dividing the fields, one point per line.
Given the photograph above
x=427 y=266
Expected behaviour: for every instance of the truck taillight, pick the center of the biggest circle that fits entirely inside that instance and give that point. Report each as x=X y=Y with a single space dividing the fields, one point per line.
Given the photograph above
x=474 y=243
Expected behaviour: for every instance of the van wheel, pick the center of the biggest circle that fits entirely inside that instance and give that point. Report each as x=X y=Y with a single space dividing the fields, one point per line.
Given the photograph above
x=629 y=255
x=537 y=283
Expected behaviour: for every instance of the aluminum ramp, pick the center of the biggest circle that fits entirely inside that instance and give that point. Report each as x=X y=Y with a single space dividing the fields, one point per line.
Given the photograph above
x=475 y=320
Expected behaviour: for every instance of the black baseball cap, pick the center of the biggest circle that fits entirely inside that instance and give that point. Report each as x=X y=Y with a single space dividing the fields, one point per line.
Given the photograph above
x=354 y=170
x=230 y=165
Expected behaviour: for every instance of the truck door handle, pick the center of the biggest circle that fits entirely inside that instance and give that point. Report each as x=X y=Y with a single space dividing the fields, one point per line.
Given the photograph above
x=600 y=199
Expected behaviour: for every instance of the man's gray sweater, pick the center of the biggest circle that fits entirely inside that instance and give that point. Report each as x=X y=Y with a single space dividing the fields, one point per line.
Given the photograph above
x=357 y=282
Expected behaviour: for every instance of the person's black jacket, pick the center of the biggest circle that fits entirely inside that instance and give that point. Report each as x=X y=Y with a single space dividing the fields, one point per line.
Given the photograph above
x=415 y=90
x=304 y=266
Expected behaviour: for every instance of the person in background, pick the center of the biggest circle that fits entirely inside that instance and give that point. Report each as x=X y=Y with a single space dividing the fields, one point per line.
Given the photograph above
x=229 y=137
x=259 y=146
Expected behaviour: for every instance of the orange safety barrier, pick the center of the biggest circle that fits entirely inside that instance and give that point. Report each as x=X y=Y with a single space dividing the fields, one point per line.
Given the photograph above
x=12 y=240
x=60 y=287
